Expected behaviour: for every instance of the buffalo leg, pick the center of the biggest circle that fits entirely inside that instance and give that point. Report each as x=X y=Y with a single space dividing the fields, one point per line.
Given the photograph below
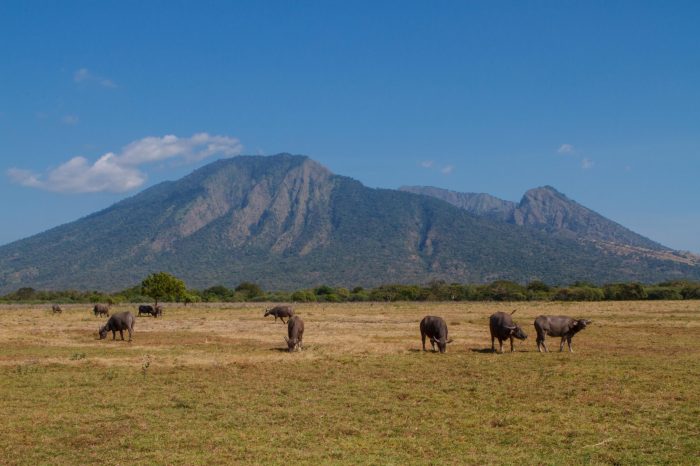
x=500 y=346
x=422 y=336
x=493 y=346
x=282 y=319
x=568 y=340
x=121 y=333
x=561 y=345
x=129 y=330
x=511 y=344
x=114 y=335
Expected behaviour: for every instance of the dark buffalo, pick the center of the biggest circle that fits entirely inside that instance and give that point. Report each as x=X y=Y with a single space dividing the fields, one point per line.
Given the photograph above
x=150 y=310
x=118 y=323
x=502 y=327
x=435 y=329
x=56 y=309
x=295 y=332
x=558 y=326
x=101 y=310
x=280 y=311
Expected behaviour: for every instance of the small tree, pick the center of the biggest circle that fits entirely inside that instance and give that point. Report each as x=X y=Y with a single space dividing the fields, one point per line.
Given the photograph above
x=161 y=285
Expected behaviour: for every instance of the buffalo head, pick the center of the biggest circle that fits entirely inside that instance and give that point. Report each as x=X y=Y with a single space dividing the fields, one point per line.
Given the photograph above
x=292 y=344
x=517 y=332
x=441 y=343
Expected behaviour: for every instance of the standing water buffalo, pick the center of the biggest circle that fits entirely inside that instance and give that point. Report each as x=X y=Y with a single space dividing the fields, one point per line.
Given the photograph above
x=295 y=332
x=502 y=327
x=280 y=311
x=435 y=329
x=118 y=323
x=148 y=309
x=56 y=309
x=101 y=309
x=558 y=326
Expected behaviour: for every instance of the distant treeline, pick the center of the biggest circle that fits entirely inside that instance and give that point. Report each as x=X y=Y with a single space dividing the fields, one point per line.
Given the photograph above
x=435 y=291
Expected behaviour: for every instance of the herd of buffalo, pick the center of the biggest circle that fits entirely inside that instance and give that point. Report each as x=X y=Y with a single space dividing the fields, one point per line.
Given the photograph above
x=434 y=328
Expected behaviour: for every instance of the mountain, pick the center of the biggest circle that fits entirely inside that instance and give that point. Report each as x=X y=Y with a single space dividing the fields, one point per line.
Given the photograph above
x=286 y=222
x=548 y=210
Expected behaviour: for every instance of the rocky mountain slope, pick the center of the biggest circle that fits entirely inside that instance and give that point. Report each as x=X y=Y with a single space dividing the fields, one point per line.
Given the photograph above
x=286 y=222
x=546 y=209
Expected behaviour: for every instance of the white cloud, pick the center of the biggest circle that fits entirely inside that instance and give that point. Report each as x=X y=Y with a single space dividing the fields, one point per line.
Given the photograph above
x=566 y=149
x=447 y=169
x=83 y=75
x=427 y=164
x=69 y=120
x=587 y=163
x=121 y=172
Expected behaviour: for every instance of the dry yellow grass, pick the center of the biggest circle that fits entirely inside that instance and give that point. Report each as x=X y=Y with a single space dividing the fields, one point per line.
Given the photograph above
x=213 y=384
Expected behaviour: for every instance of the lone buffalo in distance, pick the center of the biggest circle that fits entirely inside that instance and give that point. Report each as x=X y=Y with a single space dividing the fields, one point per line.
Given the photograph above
x=118 y=323
x=281 y=312
x=502 y=327
x=435 y=329
x=56 y=309
x=558 y=326
x=101 y=310
x=295 y=333
x=150 y=310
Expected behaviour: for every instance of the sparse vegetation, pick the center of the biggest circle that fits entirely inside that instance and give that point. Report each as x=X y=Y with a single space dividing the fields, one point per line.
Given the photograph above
x=214 y=386
x=436 y=290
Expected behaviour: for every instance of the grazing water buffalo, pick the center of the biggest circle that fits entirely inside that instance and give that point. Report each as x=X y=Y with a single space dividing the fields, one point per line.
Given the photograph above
x=502 y=327
x=148 y=309
x=295 y=332
x=118 y=323
x=101 y=309
x=280 y=311
x=435 y=329
x=56 y=309
x=558 y=326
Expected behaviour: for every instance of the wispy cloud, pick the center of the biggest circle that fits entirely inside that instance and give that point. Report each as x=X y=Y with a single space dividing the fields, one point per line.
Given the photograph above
x=587 y=163
x=69 y=120
x=122 y=171
x=83 y=75
x=432 y=165
x=566 y=149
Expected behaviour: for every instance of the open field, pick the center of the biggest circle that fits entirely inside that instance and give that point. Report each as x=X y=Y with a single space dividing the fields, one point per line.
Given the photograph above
x=211 y=384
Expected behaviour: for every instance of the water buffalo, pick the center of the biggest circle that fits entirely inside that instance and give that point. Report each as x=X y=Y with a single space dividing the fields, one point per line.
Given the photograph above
x=558 y=326
x=56 y=309
x=280 y=311
x=502 y=327
x=295 y=332
x=435 y=329
x=118 y=323
x=101 y=309
x=150 y=310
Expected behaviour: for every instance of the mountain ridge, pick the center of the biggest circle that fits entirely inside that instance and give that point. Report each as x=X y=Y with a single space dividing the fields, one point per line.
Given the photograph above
x=287 y=222
x=546 y=209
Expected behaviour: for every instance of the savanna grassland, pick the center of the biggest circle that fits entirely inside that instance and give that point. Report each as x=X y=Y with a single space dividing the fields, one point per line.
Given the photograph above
x=212 y=384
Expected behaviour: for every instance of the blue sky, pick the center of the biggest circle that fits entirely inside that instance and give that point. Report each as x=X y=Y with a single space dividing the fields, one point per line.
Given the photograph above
x=600 y=99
